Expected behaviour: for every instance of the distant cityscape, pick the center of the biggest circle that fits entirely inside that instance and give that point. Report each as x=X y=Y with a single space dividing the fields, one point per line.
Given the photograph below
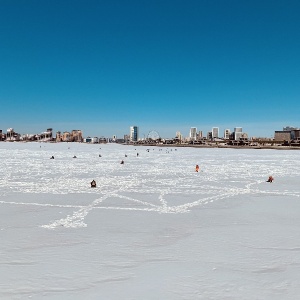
x=288 y=136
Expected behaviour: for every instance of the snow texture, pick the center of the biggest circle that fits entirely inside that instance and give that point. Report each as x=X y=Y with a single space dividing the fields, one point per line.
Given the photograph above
x=153 y=228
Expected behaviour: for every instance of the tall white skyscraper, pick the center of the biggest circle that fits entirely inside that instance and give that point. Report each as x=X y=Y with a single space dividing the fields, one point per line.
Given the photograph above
x=193 y=133
x=215 y=132
x=238 y=132
x=134 y=134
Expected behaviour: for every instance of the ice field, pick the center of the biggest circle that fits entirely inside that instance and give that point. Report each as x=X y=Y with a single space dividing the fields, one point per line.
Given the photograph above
x=153 y=228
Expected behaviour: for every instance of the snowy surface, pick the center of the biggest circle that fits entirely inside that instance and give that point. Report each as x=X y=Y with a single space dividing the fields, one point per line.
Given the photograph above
x=153 y=228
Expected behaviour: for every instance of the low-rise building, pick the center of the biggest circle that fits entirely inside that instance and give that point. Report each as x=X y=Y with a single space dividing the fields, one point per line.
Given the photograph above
x=102 y=140
x=91 y=140
x=282 y=135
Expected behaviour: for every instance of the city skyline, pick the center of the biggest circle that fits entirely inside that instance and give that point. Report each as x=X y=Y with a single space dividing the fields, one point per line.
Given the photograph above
x=165 y=66
x=134 y=133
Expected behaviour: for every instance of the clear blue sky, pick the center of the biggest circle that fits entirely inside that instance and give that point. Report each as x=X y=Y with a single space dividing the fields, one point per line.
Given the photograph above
x=102 y=66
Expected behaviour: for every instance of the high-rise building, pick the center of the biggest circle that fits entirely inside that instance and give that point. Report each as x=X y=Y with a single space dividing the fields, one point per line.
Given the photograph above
x=238 y=129
x=227 y=134
x=215 y=132
x=10 y=134
x=290 y=128
x=199 y=135
x=76 y=135
x=193 y=133
x=238 y=132
x=66 y=137
x=134 y=134
x=58 y=137
x=179 y=135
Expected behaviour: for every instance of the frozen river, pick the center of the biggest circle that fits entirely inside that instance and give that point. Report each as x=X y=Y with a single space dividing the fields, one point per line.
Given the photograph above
x=153 y=228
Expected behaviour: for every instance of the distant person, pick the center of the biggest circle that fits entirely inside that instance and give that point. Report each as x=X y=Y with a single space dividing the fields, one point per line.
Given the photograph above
x=125 y=155
x=93 y=184
x=74 y=156
x=270 y=179
x=99 y=155
x=137 y=154
x=122 y=162
x=52 y=157
x=197 y=168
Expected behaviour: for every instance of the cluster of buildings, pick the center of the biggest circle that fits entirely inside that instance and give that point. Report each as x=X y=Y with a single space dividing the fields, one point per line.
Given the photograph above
x=289 y=136
x=47 y=136
x=195 y=136
x=214 y=134
x=11 y=136
x=73 y=136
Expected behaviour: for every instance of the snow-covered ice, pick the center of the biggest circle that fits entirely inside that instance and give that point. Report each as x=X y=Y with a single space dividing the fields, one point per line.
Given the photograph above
x=153 y=228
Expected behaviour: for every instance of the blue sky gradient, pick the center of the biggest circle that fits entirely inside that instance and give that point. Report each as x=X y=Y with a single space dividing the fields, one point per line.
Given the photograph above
x=102 y=66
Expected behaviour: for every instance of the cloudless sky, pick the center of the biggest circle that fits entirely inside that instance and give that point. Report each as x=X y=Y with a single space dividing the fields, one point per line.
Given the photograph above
x=102 y=66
